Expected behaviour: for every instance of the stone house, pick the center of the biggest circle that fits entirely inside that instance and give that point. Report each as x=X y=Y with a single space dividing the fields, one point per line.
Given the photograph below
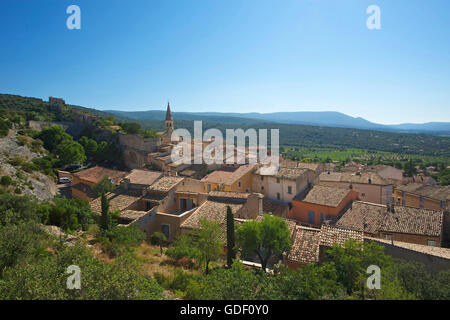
x=230 y=178
x=83 y=180
x=423 y=196
x=320 y=204
x=395 y=223
x=283 y=185
x=370 y=185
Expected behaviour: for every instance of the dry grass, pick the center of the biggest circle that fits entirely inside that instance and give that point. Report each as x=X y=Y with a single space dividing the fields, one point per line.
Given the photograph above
x=153 y=261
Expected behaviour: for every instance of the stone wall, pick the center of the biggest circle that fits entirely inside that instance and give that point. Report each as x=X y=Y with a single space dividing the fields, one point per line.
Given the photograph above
x=432 y=263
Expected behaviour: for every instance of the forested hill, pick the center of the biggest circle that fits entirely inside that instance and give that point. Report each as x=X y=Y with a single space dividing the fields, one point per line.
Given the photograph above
x=290 y=134
x=315 y=136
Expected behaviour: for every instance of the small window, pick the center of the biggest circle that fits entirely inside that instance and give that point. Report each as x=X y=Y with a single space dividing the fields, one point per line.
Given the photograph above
x=262 y=188
x=289 y=189
x=208 y=188
x=442 y=204
x=278 y=196
x=311 y=217
x=403 y=203
x=278 y=180
x=421 y=198
x=239 y=184
x=421 y=206
x=262 y=178
x=363 y=194
x=403 y=194
x=431 y=243
x=322 y=217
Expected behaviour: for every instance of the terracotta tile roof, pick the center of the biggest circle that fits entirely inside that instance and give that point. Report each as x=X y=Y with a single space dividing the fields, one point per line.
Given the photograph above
x=131 y=215
x=370 y=214
x=96 y=174
x=84 y=188
x=413 y=221
x=305 y=247
x=363 y=178
x=434 y=251
x=326 y=196
x=211 y=210
x=287 y=173
x=433 y=192
x=270 y=206
x=330 y=236
x=286 y=163
x=330 y=176
x=228 y=176
x=311 y=166
x=165 y=184
x=307 y=241
x=225 y=194
x=419 y=178
x=117 y=201
x=143 y=177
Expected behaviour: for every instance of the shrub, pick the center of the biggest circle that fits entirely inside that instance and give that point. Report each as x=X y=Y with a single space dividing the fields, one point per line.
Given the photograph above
x=29 y=167
x=127 y=236
x=6 y=181
x=22 y=140
x=16 y=161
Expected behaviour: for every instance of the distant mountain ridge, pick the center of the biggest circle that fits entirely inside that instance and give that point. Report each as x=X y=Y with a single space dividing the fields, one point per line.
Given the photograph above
x=323 y=118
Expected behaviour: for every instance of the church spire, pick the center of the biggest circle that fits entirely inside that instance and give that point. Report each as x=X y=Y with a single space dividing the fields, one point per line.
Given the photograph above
x=168 y=113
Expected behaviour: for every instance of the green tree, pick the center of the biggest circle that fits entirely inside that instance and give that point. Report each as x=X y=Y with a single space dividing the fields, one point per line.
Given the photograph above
x=90 y=146
x=107 y=152
x=231 y=253
x=351 y=263
x=104 y=218
x=266 y=239
x=409 y=169
x=103 y=186
x=131 y=127
x=209 y=242
x=70 y=152
x=235 y=283
x=69 y=214
x=15 y=209
x=46 y=278
x=54 y=137
x=158 y=238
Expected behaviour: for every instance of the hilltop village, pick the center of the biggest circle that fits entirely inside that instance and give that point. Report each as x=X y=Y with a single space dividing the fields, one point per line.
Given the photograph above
x=322 y=207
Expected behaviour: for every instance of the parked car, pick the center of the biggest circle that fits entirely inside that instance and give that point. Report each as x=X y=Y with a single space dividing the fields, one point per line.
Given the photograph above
x=64 y=180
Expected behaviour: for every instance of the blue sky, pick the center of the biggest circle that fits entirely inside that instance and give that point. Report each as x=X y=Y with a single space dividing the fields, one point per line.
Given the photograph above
x=233 y=56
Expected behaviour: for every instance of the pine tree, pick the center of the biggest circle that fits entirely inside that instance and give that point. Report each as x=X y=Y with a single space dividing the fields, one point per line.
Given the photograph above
x=231 y=254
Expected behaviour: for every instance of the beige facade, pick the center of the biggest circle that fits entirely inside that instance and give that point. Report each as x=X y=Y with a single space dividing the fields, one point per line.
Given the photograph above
x=370 y=186
x=279 y=187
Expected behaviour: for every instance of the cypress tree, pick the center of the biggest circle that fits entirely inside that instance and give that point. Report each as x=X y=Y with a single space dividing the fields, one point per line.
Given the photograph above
x=104 y=219
x=231 y=254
